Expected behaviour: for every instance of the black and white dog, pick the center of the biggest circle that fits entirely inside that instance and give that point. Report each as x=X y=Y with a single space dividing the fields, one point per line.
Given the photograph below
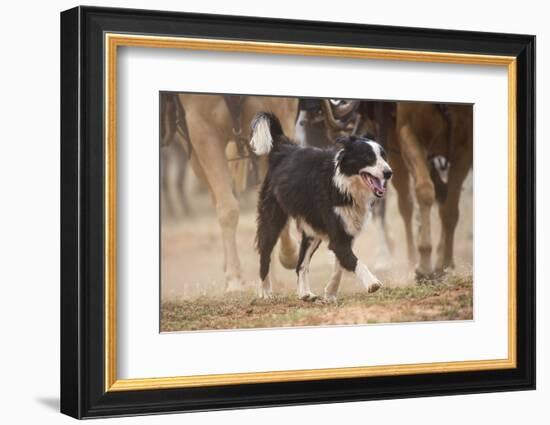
x=327 y=191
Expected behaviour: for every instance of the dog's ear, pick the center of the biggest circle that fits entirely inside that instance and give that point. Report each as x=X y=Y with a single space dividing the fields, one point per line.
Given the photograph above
x=345 y=141
x=369 y=135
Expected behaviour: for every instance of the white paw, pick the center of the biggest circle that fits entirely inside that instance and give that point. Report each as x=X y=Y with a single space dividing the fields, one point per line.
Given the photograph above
x=370 y=282
x=265 y=294
x=374 y=286
x=264 y=289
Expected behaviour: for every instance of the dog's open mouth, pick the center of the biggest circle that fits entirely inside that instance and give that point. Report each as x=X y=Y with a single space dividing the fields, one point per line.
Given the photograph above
x=375 y=184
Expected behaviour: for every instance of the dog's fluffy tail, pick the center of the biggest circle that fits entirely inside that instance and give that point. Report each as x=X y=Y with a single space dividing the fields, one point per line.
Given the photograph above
x=267 y=133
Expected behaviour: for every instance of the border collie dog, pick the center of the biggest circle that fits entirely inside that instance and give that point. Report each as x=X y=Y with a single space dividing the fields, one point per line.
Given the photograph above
x=327 y=191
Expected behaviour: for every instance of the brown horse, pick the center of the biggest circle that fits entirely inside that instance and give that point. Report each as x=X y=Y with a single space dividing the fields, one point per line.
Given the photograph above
x=210 y=129
x=426 y=131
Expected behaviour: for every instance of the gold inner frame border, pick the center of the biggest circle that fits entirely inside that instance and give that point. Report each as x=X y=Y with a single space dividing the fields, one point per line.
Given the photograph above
x=113 y=40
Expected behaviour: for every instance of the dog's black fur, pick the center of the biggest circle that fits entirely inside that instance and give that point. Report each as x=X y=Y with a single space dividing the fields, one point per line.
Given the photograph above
x=300 y=183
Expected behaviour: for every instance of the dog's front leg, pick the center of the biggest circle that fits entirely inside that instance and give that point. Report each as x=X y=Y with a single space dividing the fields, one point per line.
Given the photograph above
x=348 y=260
x=369 y=281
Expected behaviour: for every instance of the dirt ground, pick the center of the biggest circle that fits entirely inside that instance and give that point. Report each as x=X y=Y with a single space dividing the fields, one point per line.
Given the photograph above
x=450 y=299
x=192 y=279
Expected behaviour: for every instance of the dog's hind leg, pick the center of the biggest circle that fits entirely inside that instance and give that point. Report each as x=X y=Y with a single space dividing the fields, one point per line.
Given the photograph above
x=307 y=248
x=331 y=290
x=271 y=221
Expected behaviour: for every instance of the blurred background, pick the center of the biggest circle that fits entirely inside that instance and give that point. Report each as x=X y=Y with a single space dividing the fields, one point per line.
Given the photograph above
x=192 y=259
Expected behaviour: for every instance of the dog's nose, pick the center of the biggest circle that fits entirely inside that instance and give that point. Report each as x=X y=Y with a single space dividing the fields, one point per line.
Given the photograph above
x=387 y=174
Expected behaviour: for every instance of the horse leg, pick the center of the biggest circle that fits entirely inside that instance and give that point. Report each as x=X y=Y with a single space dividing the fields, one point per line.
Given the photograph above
x=199 y=173
x=417 y=164
x=400 y=181
x=331 y=290
x=183 y=162
x=383 y=251
x=288 y=252
x=208 y=148
x=166 y=153
x=449 y=211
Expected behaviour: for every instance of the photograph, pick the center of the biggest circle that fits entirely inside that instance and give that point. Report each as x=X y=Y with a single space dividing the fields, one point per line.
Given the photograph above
x=262 y=211
x=283 y=212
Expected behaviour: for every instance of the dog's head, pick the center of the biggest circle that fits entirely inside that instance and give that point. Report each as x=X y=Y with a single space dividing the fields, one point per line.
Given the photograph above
x=362 y=159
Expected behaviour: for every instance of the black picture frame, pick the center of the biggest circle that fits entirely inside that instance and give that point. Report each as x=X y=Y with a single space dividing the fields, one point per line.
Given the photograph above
x=83 y=392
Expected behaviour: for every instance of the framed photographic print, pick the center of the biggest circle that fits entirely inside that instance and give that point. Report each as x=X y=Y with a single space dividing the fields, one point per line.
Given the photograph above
x=261 y=212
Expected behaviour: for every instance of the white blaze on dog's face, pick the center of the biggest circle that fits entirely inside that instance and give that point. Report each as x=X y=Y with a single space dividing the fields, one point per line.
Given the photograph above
x=365 y=160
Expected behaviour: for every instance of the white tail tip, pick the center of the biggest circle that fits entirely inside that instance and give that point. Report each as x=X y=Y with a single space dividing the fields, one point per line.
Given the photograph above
x=261 y=140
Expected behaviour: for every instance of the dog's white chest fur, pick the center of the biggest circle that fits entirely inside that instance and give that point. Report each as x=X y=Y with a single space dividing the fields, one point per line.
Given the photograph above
x=354 y=217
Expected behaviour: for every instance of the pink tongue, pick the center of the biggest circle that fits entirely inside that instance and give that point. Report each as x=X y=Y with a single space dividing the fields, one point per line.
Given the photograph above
x=377 y=185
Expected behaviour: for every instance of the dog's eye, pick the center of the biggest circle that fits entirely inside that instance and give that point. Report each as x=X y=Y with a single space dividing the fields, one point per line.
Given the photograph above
x=383 y=154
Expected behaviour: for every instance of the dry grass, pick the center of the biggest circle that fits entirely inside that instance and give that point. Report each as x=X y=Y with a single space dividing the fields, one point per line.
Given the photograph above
x=447 y=299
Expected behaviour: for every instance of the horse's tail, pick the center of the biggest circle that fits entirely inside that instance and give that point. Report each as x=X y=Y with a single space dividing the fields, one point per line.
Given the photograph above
x=267 y=133
x=440 y=186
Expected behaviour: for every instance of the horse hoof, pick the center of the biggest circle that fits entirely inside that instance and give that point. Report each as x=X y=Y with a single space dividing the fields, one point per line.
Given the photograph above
x=439 y=274
x=234 y=284
x=309 y=297
x=330 y=299
x=423 y=278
